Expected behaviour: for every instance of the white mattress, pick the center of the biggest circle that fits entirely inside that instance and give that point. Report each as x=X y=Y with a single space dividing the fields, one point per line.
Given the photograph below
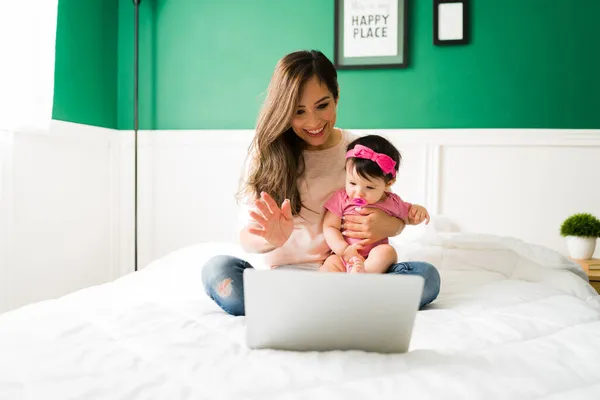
x=512 y=321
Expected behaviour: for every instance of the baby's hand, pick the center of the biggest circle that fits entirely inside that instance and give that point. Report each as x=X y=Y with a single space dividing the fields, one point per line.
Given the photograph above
x=417 y=214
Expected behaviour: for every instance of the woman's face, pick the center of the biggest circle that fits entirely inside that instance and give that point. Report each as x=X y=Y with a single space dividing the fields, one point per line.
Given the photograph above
x=315 y=116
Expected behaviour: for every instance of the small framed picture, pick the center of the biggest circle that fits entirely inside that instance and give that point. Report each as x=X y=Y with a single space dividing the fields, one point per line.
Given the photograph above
x=451 y=22
x=371 y=34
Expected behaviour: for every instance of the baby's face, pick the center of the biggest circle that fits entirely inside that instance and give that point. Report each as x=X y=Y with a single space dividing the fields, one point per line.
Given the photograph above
x=371 y=190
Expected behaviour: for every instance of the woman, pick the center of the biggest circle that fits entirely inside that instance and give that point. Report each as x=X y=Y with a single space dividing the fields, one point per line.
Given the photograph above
x=296 y=162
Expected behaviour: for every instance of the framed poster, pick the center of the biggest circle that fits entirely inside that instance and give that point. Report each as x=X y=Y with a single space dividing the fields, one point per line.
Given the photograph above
x=370 y=34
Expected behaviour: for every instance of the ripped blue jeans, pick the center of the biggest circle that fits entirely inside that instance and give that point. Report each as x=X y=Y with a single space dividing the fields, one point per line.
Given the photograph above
x=223 y=281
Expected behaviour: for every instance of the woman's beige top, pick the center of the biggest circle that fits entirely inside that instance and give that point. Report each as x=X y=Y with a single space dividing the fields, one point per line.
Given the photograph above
x=324 y=174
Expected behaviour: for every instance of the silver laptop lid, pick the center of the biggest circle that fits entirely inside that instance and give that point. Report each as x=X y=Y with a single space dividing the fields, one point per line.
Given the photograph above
x=305 y=310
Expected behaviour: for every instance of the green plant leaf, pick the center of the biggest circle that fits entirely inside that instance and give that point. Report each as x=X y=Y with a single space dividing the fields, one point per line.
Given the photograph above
x=582 y=225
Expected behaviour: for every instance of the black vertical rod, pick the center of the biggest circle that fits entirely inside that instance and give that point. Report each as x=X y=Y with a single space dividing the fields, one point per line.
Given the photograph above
x=135 y=125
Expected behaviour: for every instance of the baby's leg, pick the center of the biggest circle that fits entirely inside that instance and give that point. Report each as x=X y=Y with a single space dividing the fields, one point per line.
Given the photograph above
x=380 y=259
x=333 y=264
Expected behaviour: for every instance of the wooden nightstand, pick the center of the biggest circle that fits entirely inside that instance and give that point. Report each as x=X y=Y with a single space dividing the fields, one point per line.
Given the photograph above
x=593 y=274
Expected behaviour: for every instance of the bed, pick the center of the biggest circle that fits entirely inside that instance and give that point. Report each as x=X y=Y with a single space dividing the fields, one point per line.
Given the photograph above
x=513 y=320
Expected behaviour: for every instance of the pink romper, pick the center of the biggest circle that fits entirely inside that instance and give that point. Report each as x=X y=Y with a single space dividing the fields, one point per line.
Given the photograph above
x=341 y=205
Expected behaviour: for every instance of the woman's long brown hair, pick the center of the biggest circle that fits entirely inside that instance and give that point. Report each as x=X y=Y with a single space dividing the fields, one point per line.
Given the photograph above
x=276 y=151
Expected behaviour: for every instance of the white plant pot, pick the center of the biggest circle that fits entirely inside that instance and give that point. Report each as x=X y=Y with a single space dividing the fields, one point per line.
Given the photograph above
x=581 y=248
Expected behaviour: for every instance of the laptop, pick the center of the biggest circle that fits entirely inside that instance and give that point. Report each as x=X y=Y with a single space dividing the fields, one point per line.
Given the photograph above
x=316 y=311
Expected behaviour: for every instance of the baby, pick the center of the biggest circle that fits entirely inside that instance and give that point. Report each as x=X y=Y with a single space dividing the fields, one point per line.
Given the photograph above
x=371 y=166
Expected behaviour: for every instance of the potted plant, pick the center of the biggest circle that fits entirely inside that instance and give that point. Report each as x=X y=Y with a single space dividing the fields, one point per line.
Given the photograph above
x=581 y=230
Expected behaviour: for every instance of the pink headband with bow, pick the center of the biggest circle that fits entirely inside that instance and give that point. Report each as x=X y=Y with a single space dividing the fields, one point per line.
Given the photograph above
x=384 y=161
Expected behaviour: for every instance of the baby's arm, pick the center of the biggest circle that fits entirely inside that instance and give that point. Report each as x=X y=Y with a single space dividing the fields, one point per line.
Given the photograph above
x=333 y=236
x=337 y=243
x=411 y=214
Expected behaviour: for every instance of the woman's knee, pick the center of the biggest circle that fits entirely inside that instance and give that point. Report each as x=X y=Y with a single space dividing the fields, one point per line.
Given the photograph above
x=432 y=282
x=222 y=278
x=221 y=264
x=220 y=271
x=431 y=273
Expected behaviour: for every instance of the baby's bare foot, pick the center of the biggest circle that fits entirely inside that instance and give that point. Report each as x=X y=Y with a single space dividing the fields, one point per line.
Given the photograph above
x=358 y=266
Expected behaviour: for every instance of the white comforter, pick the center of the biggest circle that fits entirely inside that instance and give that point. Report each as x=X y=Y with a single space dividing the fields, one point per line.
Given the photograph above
x=512 y=321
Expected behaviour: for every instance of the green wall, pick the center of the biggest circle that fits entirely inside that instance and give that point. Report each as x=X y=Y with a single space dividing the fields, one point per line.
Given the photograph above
x=85 y=76
x=205 y=64
x=148 y=61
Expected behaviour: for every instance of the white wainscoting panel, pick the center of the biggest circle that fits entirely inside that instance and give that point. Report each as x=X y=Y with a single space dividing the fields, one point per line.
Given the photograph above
x=522 y=191
x=6 y=212
x=514 y=182
x=61 y=212
x=188 y=180
x=521 y=183
x=67 y=195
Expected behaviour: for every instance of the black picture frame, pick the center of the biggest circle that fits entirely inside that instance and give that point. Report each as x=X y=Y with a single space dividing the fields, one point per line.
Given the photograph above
x=371 y=62
x=466 y=19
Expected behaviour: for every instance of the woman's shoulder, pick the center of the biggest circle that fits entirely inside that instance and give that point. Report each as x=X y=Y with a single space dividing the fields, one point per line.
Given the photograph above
x=348 y=136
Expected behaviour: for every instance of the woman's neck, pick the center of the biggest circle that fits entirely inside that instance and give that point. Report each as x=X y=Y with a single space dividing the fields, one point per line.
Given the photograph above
x=333 y=140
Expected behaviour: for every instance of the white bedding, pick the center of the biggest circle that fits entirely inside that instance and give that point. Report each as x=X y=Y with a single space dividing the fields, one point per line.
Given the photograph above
x=512 y=321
